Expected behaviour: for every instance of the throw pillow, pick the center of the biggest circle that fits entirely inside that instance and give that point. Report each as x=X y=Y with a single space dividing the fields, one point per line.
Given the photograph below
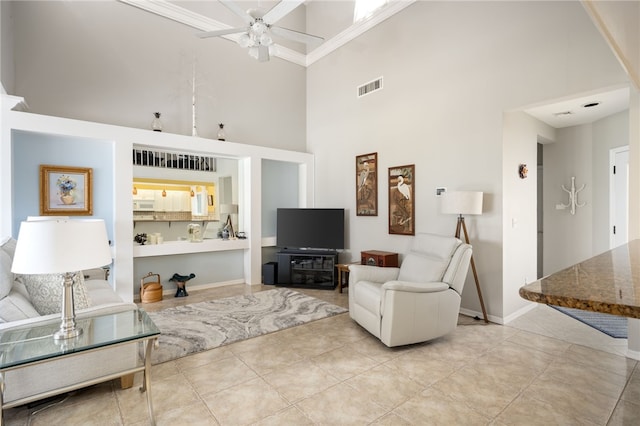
x=6 y=276
x=45 y=291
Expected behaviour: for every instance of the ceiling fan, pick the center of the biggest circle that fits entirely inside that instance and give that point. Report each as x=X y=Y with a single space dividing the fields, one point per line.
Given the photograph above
x=257 y=35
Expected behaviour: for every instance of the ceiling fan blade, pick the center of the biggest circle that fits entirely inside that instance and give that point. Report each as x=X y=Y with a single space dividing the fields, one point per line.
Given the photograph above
x=235 y=8
x=218 y=33
x=296 y=35
x=280 y=10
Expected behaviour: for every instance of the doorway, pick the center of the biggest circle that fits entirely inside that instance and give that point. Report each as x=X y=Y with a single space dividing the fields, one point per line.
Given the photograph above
x=618 y=196
x=540 y=212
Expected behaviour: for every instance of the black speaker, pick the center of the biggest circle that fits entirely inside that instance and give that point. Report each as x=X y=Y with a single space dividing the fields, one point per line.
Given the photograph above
x=270 y=273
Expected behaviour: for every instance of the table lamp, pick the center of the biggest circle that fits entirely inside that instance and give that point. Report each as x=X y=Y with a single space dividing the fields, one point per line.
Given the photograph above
x=62 y=246
x=229 y=209
x=462 y=203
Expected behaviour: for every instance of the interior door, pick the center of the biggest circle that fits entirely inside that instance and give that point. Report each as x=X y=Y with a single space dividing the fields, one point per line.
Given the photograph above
x=619 y=196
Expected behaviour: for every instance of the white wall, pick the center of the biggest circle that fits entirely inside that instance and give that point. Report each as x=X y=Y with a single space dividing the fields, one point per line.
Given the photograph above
x=568 y=238
x=450 y=71
x=6 y=47
x=520 y=208
x=610 y=132
x=113 y=63
x=580 y=151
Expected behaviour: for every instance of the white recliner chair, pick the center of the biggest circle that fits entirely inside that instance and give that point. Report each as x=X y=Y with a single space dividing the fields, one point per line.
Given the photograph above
x=416 y=302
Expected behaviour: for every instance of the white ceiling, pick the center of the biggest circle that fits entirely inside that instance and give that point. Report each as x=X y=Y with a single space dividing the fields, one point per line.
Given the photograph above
x=333 y=20
x=330 y=19
x=572 y=112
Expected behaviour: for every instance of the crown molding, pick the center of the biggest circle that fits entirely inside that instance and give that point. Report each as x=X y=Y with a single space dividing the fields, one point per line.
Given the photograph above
x=179 y=14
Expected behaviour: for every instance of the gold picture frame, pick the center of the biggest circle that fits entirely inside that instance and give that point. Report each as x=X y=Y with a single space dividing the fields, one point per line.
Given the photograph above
x=402 y=203
x=65 y=191
x=367 y=184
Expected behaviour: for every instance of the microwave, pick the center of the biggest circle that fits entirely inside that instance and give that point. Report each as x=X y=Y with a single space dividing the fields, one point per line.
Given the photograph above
x=144 y=205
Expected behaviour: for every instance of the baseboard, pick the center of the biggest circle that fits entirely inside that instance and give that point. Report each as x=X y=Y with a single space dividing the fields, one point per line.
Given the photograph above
x=531 y=306
x=473 y=314
x=172 y=292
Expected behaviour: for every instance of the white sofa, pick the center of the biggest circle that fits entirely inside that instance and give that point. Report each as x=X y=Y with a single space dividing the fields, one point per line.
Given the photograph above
x=416 y=302
x=18 y=313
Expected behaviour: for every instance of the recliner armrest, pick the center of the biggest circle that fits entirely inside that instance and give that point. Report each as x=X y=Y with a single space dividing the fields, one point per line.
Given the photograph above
x=412 y=287
x=372 y=273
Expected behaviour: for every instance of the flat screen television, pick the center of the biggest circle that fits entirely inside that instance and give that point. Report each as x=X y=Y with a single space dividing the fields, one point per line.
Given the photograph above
x=310 y=228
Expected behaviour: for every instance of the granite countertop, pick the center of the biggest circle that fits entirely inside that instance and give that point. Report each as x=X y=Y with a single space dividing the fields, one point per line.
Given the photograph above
x=609 y=283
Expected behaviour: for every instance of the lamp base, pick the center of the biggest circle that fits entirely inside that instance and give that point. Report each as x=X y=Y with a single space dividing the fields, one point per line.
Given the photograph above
x=68 y=329
x=67 y=334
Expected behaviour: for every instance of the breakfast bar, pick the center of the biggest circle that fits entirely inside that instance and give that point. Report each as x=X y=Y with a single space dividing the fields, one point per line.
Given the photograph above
x=607 y=283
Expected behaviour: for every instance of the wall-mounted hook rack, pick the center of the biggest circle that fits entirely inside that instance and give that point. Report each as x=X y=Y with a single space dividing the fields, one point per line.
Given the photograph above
x=573 y=196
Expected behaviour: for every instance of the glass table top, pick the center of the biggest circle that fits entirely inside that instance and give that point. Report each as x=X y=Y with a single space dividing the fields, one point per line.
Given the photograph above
x=29 y=344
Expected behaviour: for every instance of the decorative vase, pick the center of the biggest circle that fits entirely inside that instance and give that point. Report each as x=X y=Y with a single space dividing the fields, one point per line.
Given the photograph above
x=222 y=136
x=66 y=199
x=156 y=124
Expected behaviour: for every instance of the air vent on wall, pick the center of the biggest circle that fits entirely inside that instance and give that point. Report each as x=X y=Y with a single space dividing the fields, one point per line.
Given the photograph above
x=370 y=87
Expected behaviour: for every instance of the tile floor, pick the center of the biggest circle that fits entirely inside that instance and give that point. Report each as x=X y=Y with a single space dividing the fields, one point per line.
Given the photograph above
x=544 y=369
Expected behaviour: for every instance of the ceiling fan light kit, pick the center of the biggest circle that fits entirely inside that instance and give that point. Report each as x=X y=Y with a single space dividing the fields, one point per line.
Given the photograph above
x=257 y=36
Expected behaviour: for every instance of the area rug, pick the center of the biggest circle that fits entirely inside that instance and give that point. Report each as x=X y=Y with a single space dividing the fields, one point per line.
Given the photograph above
x=611 y=325
x=206 y=325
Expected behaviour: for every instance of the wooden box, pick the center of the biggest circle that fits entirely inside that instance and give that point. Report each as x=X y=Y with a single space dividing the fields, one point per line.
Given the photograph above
x=379 y=258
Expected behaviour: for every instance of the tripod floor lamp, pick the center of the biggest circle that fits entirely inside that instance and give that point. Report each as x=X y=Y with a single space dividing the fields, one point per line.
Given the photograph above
x=462 y=203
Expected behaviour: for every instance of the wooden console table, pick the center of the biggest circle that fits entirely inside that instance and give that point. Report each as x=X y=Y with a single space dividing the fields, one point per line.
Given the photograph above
x=607 y=283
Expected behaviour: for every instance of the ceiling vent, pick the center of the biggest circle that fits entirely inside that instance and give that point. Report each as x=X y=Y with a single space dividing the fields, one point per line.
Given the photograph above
x=370 y=87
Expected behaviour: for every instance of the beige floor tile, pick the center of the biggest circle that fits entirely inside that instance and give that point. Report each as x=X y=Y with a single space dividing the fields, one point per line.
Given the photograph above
x=202 y=358
x=583 y=376
x=385 y=386
x=164 y=395
x=300 y=380
x=245 y=403
x=606 y=361
x=196 y=414
x=373 y=348
x=289 y=416
x=99 y=410
x=311 y=344
x=532 y=412
x=432 y=407
x=626 y=413
x=341 y=405
x=632 y=390
x=422 y=369
x=584 y=403
x=540 y=343
x=219 y=375
x=391 y=419
x=270 y=357
x=344 y=363
x=480 y=389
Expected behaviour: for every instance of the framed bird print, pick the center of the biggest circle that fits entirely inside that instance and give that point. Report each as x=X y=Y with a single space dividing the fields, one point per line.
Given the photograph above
x=401 y=200
x=367 y=184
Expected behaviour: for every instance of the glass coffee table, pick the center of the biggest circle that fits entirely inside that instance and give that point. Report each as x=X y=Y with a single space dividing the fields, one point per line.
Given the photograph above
x=30 y=345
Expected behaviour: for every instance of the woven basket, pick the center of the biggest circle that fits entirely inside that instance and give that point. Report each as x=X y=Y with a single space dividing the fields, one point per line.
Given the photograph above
x=150 y=288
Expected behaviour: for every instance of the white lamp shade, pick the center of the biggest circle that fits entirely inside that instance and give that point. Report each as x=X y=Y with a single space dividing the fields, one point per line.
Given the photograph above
x=462 y=202
x=60 y=246
x=229 y=208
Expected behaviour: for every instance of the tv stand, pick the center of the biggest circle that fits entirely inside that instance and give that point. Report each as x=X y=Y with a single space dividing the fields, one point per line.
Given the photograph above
x=307 y=268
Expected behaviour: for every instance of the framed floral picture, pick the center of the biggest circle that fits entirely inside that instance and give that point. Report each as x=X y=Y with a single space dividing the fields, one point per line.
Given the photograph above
x=65 y=191
x=402 y=204
x=367 y=185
